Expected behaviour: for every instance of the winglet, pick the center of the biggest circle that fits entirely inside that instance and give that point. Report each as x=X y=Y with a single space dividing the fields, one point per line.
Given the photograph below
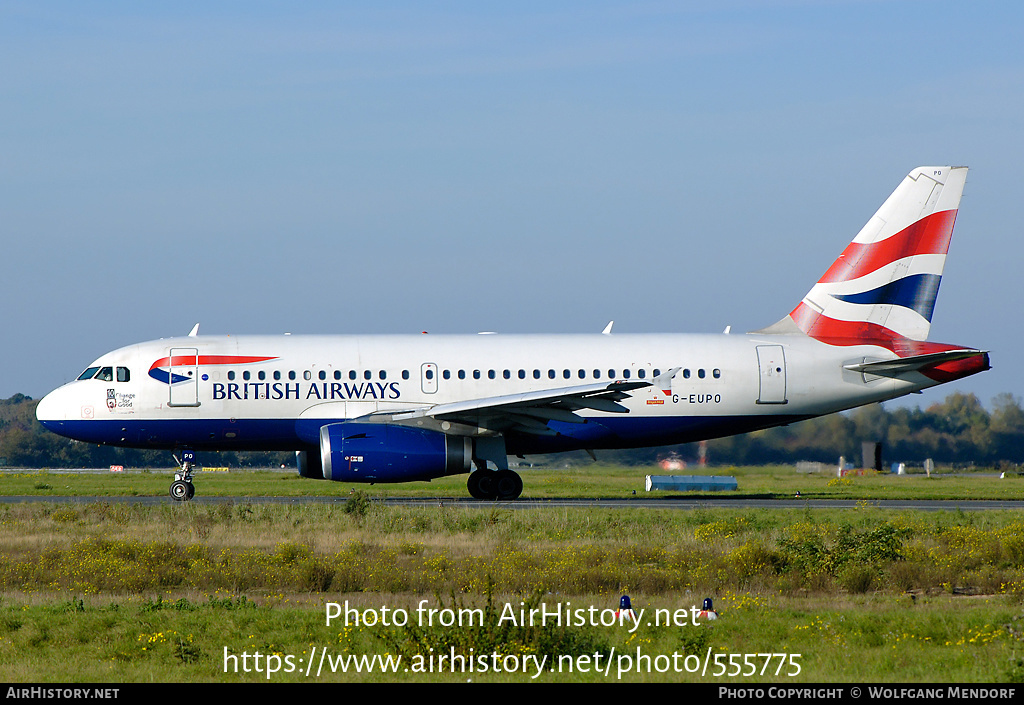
x=664 y=381
x=608 y=328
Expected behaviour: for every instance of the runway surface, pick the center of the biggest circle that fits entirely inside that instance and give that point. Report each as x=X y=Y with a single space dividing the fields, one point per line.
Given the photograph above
x=681 y=503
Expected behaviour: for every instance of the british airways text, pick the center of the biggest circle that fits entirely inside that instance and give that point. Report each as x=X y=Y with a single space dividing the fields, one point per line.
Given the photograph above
x=296 y=390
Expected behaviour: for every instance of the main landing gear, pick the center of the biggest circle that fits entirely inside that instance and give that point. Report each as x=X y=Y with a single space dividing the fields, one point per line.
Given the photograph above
x=182 y=489
x=504 y=485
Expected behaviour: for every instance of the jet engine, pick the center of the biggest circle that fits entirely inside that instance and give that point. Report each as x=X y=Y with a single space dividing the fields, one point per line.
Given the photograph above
x=309 y=465
x=367 y=452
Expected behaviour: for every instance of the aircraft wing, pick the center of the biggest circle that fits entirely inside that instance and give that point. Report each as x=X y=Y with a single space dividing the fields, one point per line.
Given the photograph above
x=530 y=411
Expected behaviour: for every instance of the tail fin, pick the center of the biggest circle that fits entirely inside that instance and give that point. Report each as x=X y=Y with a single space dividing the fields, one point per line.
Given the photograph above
x=884 y=284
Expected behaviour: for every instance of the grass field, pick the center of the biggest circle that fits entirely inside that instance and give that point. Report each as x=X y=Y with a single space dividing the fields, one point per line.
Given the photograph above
x=112 y=592
x=771 y=481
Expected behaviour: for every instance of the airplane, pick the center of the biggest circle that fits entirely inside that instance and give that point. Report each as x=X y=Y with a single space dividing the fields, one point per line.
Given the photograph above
x=394 y=408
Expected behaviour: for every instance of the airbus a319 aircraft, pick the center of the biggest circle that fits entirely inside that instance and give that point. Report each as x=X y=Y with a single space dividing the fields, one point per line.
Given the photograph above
x=402 y=408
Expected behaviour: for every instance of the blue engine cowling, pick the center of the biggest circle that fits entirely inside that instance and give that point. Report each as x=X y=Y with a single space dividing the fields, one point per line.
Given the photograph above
x=366 y=452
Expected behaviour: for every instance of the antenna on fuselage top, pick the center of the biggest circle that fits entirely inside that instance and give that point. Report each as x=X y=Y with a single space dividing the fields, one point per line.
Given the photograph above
x=608 y=328
x=195 y=331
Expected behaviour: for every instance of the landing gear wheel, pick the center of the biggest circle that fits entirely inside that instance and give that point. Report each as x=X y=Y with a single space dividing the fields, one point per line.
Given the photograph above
x=503 y=485
x=180 y=491
x=473 y=485
x=482 y=484
x=509 y=485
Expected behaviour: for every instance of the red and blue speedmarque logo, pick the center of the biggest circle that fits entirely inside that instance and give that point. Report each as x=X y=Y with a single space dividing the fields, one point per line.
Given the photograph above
x=161 y=369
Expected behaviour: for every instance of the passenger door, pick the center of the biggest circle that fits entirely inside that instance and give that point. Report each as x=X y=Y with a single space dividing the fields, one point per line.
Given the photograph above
x=183 y=377
x=771 y=361
x=428 y=377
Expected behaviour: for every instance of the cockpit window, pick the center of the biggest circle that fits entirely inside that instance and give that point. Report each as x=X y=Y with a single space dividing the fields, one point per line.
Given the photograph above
x=89 y=373
x=106 y=374
x=123 y=375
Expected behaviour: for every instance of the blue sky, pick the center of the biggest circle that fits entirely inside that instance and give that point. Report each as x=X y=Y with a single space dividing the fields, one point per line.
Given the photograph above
x=394 y=167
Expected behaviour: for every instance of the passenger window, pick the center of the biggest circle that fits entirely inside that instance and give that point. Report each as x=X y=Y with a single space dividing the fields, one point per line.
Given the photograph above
x=507 y=374
x=261 y=375
x=700 y=373
x=522 y=374
x=656 y=372
x=447 y=374
x=106 y=374
x=566 y=374
x=89 y=373
x=686 y=374
x=367 y=375
x=245 y=375
x=583 y=374
x=491 y=374
x=597 y=374
x=322 y=375
x=383 y=374
x=429 y=374
x=352 y=374
x=716 y=373
x=611 y=374
x=291 y=374
x=231 y=375
x=405 y=374
x=277 y=374
x=476 y=374
x=536 y=374
x=123 y=375
x=462 y=374
x=641 y=373
x=625 y=374
x=337 y=374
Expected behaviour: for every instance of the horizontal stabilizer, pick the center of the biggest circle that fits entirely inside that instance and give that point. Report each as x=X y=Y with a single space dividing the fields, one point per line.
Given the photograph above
x=893 y=368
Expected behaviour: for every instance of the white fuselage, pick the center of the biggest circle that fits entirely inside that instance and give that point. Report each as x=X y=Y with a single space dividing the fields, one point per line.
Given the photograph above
x=274 y=392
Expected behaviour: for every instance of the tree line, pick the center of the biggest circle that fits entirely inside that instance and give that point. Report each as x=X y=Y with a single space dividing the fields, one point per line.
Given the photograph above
x=959 y=431
x=25 y=443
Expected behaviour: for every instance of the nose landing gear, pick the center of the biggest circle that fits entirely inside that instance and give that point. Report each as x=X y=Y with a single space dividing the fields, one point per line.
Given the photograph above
x=182 y=489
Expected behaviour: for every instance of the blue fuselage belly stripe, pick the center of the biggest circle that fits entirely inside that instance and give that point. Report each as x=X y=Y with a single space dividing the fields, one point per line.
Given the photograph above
x=212 y=434
x=287 y=434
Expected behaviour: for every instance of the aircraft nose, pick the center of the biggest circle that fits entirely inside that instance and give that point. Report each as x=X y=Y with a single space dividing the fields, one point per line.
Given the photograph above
x=51 y=409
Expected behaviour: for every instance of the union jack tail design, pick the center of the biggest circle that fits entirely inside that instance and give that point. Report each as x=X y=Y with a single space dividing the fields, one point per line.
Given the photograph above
x=884 y=284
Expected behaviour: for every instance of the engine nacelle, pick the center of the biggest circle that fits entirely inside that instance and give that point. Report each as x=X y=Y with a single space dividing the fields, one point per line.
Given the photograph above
x=366 y=452
x=309 y=464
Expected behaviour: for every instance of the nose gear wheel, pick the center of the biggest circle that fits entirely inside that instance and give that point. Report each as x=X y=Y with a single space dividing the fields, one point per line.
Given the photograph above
x=182 y=489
